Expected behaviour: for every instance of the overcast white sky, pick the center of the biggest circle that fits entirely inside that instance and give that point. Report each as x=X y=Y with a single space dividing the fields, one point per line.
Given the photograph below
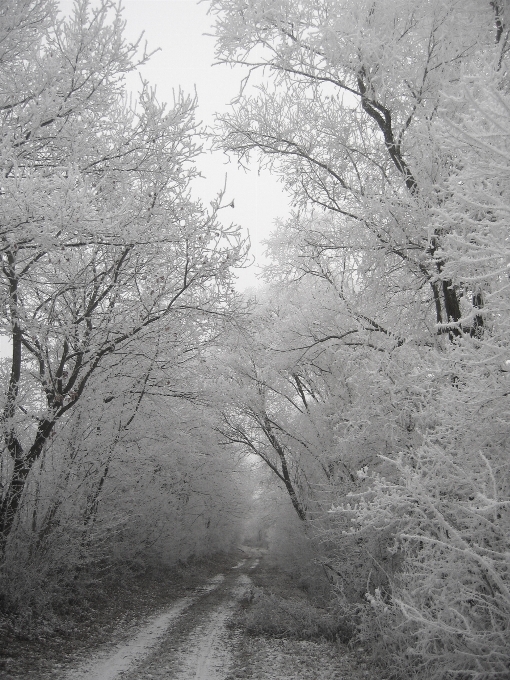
x=185 y=60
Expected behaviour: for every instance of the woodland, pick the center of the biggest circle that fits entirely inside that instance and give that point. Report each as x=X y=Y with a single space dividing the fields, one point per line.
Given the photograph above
x=352 y=413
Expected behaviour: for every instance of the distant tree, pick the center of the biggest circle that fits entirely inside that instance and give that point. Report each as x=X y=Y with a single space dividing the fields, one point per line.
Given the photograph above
x=256 y=410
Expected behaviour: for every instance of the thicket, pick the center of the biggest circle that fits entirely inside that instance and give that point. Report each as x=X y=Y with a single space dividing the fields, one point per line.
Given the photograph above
x=373 y=381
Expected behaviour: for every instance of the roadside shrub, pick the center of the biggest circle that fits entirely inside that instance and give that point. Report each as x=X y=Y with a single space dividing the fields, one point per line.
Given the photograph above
x=447 y=613
x=295 y=549
x=359 y=563
x=43 y=590
x=388 y=639
x=26 y=603
x=273 y=616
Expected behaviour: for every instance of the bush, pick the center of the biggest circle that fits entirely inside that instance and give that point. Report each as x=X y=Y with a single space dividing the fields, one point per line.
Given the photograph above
x=447 y=611
x=273 y=616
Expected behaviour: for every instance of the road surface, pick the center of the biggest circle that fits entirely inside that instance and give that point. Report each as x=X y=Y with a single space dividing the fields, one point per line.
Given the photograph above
x=189 y=640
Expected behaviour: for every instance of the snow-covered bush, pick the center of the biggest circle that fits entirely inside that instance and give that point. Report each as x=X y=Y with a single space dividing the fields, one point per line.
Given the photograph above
x=450 y=519
x=298 y=619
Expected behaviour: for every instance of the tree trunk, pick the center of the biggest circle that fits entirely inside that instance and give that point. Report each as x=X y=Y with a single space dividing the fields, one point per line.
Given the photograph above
x=23 y=464
x=477 y=327
x=285 y=476
x=91 y=511
x=447 y=306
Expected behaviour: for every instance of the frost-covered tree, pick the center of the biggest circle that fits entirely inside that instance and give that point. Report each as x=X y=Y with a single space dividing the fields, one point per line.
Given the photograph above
x=474 y=213
x=388 y=123
x=258 y=407
x=312 y=394
x=347 y=116
x=103 y=250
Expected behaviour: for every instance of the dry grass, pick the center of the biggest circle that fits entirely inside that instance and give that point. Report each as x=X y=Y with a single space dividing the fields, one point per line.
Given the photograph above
x=294 y=618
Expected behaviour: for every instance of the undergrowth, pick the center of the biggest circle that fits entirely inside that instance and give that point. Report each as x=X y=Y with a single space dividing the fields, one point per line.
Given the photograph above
x=40 y=600
x=271 y=615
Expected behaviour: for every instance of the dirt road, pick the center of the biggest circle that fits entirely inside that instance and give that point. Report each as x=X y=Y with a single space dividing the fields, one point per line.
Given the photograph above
x=190 y=640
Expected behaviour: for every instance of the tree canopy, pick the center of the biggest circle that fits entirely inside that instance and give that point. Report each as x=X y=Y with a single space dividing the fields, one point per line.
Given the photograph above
x=367 y=377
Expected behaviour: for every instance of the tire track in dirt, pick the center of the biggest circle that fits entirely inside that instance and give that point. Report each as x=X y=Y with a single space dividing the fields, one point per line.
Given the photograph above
x=208 y=651
x=134 y=652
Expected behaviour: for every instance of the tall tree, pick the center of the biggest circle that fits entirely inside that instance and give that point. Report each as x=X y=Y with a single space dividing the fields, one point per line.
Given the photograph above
x=102 y=247
x=347 y=116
